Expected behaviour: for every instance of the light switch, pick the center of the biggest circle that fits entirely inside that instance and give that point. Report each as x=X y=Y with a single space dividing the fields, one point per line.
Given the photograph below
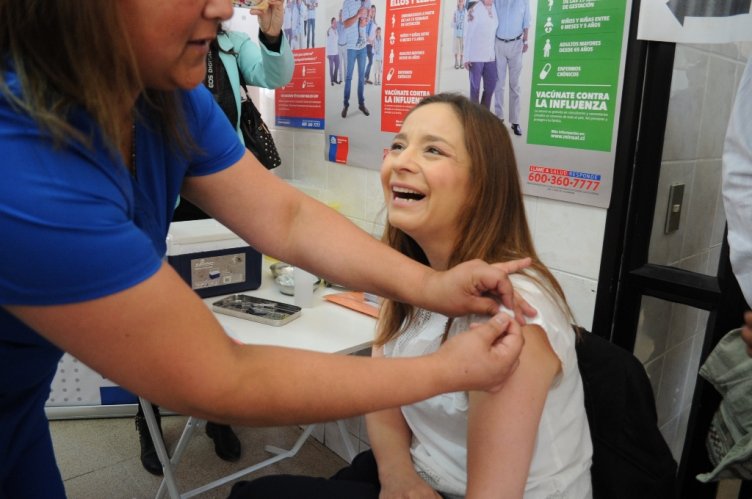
x=674 y=209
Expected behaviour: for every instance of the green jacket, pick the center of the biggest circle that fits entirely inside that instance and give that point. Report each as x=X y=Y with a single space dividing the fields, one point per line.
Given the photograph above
x=261 y=67
x=729 y=369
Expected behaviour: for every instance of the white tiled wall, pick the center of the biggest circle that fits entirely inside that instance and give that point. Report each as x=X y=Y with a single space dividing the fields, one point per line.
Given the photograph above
x=670 y=336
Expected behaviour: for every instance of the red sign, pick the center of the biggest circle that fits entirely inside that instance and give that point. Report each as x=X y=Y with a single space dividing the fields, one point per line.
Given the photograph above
x=300 y=103
x=339 y=147
x=410 y=53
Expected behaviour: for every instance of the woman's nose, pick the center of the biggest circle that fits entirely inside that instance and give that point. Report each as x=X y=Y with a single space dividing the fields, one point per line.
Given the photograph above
x=220 y=10
x=404 y=160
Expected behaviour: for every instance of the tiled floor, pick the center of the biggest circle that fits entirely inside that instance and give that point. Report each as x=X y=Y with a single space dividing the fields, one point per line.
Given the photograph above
x=99 y=458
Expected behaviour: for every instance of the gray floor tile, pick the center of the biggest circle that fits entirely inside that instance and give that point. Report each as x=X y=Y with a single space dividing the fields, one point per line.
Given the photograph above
x=100 y=457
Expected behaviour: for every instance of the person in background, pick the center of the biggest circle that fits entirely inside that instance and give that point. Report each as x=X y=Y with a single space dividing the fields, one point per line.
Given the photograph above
x=370 y=35
x=287 y=21
x=103 y=122
x=458 y=29
x=269 y=64
x=332 y=51
x=310 y=27
x=355 y=16
x=378 y=56
x=479 y=54
x=342 y=47
x=736 y=188
x=452 y=192
x=510 y=45
x=299 y=17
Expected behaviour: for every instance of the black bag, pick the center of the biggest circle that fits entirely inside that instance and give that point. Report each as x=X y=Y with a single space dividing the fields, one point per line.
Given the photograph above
x=257 y=137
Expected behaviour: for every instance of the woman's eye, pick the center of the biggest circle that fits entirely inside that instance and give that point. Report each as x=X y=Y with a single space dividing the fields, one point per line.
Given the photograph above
x=396 y=147
x=434 y=150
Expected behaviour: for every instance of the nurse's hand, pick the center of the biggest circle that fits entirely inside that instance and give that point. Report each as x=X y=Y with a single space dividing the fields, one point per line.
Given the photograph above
x=484 y=357
x=474 y=287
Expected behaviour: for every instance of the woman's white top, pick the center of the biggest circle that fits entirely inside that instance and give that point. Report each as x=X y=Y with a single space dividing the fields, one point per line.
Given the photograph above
x=480 y=34
x=561 y=461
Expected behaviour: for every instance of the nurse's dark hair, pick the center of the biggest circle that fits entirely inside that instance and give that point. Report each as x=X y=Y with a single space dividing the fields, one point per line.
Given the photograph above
x=493 y=225
x=71 y=54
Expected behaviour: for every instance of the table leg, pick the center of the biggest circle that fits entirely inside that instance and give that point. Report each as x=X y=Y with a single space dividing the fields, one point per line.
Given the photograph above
x=280 y=455
x=159 y=446
x=185 y=437
x=347 y=439
x=169 y=481
x=295 y=448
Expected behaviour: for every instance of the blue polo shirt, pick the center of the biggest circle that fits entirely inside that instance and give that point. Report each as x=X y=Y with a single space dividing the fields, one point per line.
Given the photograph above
x=514 y=17
x=76 y=226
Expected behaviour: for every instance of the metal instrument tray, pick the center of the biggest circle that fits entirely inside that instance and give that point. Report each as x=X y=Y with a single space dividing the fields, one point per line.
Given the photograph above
x=273 y=313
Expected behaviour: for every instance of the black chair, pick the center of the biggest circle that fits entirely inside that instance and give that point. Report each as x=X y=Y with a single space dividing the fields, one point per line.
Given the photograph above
x=631 y=460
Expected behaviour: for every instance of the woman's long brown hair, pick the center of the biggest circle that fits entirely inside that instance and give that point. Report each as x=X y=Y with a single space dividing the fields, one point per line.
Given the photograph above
x=493 y=224
x=74 y=54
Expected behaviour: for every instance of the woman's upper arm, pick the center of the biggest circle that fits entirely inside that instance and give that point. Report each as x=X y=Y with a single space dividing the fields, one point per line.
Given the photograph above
x=502 y=426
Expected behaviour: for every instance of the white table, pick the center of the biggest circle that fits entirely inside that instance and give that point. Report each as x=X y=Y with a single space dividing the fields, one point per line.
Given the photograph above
x=324 y=327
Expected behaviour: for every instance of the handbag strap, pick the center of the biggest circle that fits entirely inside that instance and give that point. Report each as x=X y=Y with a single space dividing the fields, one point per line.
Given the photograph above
x=218 y=82
x=243 y=86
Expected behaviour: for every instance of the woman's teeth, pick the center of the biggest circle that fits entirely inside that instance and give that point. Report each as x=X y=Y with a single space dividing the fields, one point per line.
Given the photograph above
x=407 y=194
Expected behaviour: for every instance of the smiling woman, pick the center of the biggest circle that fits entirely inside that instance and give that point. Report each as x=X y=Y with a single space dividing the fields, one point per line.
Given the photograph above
x=425 y=177
x=452 y=196
x=103 y=123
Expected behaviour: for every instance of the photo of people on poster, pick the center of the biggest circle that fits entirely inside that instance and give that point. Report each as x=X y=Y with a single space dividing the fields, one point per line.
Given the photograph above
x=353 y=102
x=550 y=69
x=490 y=42
x=556 y=84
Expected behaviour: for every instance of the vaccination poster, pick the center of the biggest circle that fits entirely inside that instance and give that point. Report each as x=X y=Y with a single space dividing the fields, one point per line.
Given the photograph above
x=353 y=132
x=568 y=88
x=575 y=73
x=565 y=93
x=396 y=68
x=300 y=103
x=410 y=62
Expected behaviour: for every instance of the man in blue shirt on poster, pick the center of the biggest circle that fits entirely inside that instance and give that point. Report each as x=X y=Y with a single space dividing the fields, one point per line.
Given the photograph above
x=352 y=12
x=510 y=44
